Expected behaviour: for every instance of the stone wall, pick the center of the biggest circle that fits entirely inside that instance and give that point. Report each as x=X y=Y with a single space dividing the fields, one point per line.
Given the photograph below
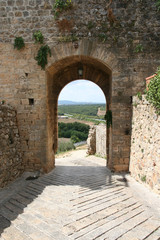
x=97 y=140
x=145 y=144
x=101 y=140
x=91 y=141
x=111 y=43
x=11 y=161
x=120 y=23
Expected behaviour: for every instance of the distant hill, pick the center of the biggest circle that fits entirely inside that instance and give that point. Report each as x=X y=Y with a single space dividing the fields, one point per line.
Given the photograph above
x=67 y=102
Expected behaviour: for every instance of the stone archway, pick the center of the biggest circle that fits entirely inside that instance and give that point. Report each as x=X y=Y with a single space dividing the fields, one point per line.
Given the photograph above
x=106 y=70
x=63 y=72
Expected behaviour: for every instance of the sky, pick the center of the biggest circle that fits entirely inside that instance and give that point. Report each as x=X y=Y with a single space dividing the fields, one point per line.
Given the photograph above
x=82 y=91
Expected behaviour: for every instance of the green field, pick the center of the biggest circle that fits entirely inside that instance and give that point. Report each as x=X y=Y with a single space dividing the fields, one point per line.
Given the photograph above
x=86 y=112
x=71 y=129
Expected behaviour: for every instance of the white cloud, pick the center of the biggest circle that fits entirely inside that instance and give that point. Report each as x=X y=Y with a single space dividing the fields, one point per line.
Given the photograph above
x=82 y=91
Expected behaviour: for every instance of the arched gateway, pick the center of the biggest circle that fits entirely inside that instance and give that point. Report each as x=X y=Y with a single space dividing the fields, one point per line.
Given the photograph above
x=117 y=52
x=101 y=67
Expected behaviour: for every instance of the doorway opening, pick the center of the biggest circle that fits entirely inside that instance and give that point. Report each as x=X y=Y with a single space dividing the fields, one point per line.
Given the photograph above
x=81 y=111
x=66 y=71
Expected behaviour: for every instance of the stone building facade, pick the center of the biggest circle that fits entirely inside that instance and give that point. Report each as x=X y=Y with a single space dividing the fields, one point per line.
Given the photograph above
x=107 y=41
x=11 y=158
x=145 y=144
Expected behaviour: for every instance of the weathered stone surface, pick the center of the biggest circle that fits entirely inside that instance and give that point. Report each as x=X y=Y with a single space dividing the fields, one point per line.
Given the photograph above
x=101 y=140
x=105 y=47
x=91 y=19
x=79 y=199
x=145 y=145
x=11 y=157
x=97 y=140
x=91 y=141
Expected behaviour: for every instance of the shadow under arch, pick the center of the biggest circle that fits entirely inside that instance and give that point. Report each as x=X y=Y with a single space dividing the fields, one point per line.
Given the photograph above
x=58 y=75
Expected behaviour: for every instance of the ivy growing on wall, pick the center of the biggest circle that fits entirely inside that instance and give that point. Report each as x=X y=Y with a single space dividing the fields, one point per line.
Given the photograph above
x=139 y=95
x=158 y=5
x=38 y=37
x=61 y=5
x=153 y=93
x=42 y=55
x=43 y=52
x=139 y=48
x=19 y=43
x=108 y=118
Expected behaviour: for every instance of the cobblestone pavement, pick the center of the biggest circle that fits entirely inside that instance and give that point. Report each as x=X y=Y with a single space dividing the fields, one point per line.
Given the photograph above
x=80 y=199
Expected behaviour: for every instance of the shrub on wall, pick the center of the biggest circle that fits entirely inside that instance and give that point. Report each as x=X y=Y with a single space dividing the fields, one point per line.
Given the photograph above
x=60 y=6
x=158 y=5
x=19 y=43
x=38 y=37
x=139 y=95
x=108 y=118
x=139 y=48
x=153 y=93
x=42 y=55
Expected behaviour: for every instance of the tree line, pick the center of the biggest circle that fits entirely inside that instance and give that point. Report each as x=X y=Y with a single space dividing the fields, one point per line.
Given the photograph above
x=90 y=109
x=76 y=131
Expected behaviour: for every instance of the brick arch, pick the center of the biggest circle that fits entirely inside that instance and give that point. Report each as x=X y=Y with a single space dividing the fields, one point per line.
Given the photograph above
x=64 y=71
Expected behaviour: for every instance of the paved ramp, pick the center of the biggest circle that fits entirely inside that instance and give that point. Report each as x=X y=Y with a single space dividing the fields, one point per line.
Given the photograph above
x=80 y=199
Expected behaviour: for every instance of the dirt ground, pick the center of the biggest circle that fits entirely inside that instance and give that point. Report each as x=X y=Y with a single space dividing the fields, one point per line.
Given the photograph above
x=71 y=120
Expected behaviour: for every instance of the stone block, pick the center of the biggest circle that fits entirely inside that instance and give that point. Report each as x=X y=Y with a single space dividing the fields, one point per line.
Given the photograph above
x=121 y=168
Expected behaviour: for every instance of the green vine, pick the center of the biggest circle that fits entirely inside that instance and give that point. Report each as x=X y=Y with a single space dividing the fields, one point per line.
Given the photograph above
x=158 y=5
x=42 y=55
x=19 y=43
x=139 y=48
x=60 y=6
x=108 y=118
x=153 y=93
x=139 y=95
x=38 y=37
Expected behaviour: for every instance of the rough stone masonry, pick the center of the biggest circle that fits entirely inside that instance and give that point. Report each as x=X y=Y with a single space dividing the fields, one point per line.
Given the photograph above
x=97 y=140
x=11 y=159
x=116 y=45
x=145 y=146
